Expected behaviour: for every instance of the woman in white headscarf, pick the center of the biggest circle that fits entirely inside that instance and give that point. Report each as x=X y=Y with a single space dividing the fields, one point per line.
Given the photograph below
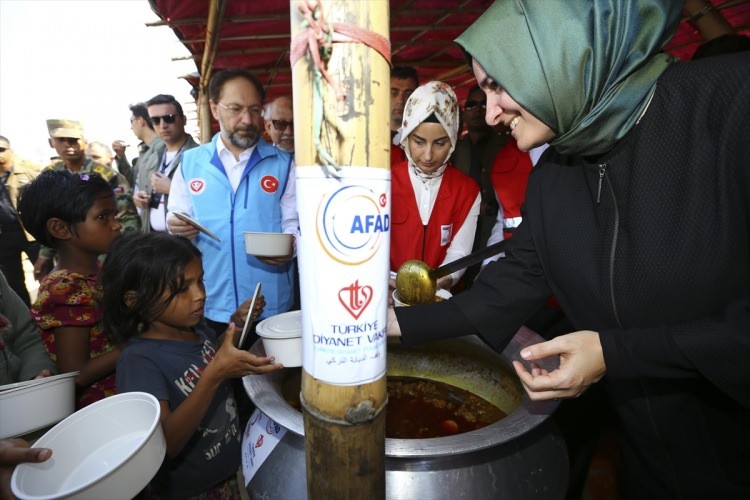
x=435 y=206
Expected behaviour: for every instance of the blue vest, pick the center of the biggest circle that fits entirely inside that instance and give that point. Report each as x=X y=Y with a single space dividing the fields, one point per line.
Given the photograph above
x=231 y=274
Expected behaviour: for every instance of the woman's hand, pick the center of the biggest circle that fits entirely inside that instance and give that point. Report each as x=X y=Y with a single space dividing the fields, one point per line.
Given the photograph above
x=581 y=364
x=445 y=283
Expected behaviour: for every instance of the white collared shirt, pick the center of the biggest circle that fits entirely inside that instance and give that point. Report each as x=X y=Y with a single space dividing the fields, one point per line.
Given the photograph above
x=179 y=198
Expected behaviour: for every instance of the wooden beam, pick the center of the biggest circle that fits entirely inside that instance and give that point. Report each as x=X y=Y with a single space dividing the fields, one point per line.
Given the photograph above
x=343 y=401
x=215 y=13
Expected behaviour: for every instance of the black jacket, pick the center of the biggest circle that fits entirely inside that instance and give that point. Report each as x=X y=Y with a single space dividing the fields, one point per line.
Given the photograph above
x=650 y=246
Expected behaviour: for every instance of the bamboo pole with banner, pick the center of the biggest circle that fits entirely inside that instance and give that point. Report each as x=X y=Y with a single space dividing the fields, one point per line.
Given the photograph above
x=340 y=59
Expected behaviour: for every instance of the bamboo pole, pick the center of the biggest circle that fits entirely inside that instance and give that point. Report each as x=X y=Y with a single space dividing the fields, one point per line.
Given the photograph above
x=213 y=26
x=344 y=418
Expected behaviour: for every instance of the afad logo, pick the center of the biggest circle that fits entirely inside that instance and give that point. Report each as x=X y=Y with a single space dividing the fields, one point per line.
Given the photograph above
x=197 y=185
x=352 y=223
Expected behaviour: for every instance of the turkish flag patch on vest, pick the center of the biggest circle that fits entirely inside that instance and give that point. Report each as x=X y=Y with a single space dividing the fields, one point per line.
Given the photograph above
x=269 y=184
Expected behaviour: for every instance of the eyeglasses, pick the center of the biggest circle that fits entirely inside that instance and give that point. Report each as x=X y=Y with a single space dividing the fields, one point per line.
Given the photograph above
x=282 y=124
x=473 y=104
x=3 y=150
x=167 y=119
x=237 y=110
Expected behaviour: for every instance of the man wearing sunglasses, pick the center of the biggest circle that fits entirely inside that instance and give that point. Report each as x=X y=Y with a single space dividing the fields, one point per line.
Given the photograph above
x=279 y=123
x=154 y=178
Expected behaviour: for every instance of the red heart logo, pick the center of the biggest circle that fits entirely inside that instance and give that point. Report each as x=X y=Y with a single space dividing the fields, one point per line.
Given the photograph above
x=355 y=298
x=197 y=185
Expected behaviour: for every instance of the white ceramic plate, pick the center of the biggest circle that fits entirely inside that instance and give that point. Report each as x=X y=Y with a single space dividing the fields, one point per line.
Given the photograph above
x=200 y=227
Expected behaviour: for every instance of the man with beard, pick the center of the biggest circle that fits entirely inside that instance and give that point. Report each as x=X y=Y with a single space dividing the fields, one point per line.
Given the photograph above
x=237 y=183
x=155 y=177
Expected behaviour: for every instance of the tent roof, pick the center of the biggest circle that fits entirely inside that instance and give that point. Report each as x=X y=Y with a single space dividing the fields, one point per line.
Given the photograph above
x=256 y=35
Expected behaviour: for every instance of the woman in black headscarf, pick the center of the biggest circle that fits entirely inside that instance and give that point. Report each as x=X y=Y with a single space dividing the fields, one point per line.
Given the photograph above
x=637 y=220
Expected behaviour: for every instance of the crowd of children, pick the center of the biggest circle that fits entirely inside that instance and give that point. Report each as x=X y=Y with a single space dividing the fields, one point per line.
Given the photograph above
x=139 y=313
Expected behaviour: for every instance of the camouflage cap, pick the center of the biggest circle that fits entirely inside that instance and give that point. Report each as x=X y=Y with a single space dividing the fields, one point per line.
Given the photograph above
x=65 y=128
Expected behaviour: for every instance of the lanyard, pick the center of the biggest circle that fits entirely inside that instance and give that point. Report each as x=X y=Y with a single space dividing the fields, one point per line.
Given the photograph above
x=164 y=165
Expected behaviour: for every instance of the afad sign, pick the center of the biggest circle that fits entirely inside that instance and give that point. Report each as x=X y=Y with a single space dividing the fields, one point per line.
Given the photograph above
x=352 y=223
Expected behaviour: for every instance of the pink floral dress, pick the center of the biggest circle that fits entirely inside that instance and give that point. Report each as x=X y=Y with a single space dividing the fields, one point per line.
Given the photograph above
x=66 y=299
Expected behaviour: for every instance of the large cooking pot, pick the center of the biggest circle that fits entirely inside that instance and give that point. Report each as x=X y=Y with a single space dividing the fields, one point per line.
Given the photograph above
x=521 y=456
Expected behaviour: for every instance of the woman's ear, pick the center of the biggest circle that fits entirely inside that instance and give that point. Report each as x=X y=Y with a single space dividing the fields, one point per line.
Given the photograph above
x=129 y=298
x=58 y=229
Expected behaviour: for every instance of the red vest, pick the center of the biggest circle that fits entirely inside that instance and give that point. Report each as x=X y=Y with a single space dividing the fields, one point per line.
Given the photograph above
x=397 y=155
x=510 y=172
x=509 y=175
x=412 y=240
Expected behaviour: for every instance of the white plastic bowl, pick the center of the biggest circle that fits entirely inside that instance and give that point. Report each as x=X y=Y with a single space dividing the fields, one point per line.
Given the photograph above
x=282 y=337
x=440 y=293
x=110 y=449
x=268 y=244
x=35 y=404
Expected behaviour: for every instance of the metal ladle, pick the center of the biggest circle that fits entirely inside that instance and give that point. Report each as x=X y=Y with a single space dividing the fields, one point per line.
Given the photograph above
x=416 y=283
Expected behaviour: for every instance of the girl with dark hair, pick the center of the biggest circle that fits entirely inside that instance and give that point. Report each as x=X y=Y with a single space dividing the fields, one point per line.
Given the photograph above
x=75 y=214
x=154 y=297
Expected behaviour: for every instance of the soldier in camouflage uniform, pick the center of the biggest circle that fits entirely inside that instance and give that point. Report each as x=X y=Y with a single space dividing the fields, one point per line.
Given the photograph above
x=13 y=239
x=66 y=137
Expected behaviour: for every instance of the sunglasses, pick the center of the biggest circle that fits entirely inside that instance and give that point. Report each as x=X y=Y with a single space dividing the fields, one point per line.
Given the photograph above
x=167 y=119
x=282 y=124
x=474 y=104
x=3 y=150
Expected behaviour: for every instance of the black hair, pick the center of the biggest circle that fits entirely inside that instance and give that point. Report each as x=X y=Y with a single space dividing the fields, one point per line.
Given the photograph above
x=149 y=264
x=431 y=119
x=216 y=85
x=165 y=99
x=59 y=194
x=405 y=73
x=140 y=110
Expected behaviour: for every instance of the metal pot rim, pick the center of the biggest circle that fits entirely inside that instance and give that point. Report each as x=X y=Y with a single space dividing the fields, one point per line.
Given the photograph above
x=265 y=392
